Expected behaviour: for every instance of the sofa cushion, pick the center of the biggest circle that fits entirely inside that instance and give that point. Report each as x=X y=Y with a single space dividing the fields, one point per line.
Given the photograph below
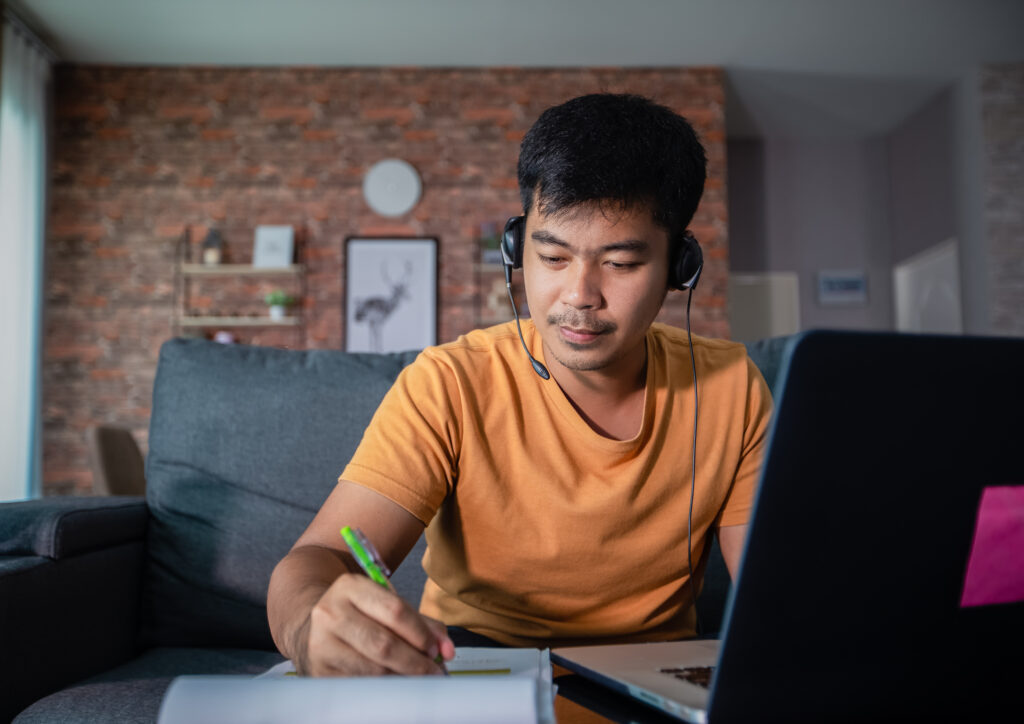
x=131 y=693
x=245 y=444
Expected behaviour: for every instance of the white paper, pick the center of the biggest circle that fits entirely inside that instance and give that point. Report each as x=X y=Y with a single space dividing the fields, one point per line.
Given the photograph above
x=523 y=695
x=519 y=662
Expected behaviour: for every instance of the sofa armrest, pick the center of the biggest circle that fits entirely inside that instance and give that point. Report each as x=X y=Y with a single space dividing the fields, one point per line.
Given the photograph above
x=70 y=572
x=59 y=527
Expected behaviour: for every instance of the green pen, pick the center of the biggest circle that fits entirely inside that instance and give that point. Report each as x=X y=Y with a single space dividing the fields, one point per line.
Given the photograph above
x=373 y=565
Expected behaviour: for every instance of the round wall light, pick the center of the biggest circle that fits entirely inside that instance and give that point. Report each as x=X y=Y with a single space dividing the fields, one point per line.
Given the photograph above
x=392 y=187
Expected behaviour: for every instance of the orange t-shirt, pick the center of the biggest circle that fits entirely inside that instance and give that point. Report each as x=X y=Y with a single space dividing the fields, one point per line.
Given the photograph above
x=541 y=531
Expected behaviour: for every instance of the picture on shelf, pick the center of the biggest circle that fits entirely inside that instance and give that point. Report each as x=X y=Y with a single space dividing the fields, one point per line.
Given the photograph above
x=272 y=247
x=390 y=294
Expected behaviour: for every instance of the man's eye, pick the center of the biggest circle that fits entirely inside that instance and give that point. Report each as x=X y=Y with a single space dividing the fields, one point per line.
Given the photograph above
x=550 y=259
x=623 y=264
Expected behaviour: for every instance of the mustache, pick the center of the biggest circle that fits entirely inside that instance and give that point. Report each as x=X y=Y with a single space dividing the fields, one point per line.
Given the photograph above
x=580 y=321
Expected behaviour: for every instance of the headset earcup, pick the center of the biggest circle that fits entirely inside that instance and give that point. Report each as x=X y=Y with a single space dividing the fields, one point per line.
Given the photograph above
x=512 y=243
x=686 y=264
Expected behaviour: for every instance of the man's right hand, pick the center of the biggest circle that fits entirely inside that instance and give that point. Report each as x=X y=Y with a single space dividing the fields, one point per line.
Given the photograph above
x=360 y=628
x=330 y=620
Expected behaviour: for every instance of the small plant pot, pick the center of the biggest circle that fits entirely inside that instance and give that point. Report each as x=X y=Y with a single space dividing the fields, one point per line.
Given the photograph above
x=277 y=312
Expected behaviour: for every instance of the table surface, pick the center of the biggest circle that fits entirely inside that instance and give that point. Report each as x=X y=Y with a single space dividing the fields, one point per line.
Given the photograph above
x=580 y=701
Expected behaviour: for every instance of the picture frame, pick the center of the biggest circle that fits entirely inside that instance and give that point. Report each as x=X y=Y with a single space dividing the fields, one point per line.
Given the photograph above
x=273 y=247
x=390 y=294
x=842 y=288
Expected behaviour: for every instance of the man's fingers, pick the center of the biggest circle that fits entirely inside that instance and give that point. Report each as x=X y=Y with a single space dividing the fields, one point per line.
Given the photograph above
x=381 y=646
x=440 y=631
x=393 y=613
x=361 y=628
x=343 y=660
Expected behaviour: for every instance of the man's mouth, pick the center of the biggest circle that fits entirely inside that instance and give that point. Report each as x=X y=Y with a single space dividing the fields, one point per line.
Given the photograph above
x=577 y=330
x=580 y=335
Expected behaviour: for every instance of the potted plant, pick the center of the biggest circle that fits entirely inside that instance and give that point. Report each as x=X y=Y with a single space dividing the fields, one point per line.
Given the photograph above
x=277 y=300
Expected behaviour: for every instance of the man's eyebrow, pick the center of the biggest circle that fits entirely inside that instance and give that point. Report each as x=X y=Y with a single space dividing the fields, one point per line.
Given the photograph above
x=546 y=237
x=636 y=245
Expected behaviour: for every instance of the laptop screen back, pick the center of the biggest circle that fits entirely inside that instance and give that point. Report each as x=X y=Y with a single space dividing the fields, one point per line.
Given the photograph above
x=851 y=585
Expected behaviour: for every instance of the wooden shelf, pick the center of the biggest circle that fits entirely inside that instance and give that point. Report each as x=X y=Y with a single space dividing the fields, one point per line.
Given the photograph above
x=232 y=312
x=212 y=270
x=238 y=322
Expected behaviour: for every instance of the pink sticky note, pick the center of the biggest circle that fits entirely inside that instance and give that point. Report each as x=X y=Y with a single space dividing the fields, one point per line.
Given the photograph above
x=995 y=569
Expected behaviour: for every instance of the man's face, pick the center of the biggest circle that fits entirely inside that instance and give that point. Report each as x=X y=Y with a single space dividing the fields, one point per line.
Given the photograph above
x=595 y=279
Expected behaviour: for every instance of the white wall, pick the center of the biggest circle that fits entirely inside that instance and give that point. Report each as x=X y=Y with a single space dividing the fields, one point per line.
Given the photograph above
x=803 y=202
x=921 y=154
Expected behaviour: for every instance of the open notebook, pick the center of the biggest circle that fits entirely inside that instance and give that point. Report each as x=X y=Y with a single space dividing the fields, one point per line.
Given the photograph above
x=503 y=686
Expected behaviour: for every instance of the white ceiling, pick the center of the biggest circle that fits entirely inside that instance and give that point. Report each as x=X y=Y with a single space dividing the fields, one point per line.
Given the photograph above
x=847 y=66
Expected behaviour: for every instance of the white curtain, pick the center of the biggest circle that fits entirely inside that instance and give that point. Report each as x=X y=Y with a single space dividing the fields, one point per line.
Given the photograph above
x=24 y=93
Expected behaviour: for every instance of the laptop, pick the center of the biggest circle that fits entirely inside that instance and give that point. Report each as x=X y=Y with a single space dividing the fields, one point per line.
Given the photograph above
x=858 y=596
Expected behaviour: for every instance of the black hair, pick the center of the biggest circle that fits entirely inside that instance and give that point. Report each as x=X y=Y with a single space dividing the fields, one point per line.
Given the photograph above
x=620 y=149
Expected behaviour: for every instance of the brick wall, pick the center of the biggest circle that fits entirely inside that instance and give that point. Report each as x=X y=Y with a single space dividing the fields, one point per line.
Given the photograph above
x=144 y=156
x=1002 y=100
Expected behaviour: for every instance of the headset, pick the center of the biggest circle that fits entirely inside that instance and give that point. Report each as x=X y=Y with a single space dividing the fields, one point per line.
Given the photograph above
x=686 y=261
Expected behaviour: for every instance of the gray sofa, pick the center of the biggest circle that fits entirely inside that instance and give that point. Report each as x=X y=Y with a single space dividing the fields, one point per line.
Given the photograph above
x=103 y=601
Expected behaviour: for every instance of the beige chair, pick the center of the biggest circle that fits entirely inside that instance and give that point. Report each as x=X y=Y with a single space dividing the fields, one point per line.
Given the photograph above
x=117 y=466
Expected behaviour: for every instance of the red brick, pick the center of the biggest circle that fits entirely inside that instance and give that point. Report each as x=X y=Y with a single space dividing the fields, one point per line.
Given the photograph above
x=88 y=112
x=88 y=232
x=420 y=135
x=398 y=116
x=497 y=116
x=301 y=116
x=385 y=229
x=196 y=114
x=99 y=375
x=114 y=134
x=218 y=134
x=86 y=354
x=173 y=231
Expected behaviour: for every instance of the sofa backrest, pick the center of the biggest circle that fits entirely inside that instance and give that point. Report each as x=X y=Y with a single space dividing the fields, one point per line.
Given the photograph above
x=767 y=354
x=245 y=444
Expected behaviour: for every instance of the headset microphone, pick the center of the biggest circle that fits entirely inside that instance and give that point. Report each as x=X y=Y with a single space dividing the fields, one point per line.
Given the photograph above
x=537 y=366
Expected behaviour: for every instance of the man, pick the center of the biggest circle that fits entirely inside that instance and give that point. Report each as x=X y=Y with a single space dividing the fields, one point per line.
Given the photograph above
x=557 y=509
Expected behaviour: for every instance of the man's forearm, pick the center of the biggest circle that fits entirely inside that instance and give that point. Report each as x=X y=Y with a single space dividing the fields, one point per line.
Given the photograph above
x=298 y=582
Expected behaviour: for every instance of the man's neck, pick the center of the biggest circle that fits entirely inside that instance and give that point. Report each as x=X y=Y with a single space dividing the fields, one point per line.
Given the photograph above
x=610 y=400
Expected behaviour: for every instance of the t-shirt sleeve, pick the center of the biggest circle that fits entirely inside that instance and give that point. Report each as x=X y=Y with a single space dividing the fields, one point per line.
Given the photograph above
x=409 y=451
x=756 y=419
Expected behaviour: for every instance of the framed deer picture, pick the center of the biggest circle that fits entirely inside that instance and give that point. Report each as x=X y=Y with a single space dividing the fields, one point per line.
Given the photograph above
x=390 y=294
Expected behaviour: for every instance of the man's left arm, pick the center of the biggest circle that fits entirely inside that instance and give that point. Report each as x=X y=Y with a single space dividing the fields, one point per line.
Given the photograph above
x=730 y=539
x=756 y=417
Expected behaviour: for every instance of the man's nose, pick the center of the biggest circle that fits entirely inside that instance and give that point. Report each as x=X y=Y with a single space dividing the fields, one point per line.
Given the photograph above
x=582 y=289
